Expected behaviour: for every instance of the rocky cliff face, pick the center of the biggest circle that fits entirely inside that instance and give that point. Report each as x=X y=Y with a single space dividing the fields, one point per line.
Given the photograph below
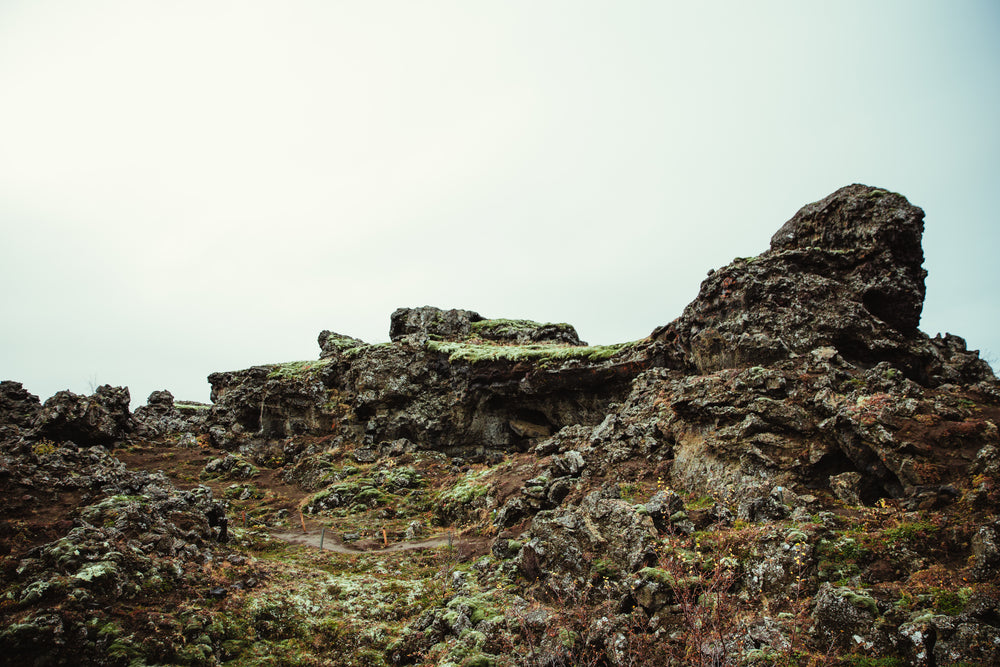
x=790 y=472
x=845 y=272
x=451 y=381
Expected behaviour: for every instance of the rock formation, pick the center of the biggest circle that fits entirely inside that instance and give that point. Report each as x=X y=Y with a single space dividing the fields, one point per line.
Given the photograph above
x=790 y=472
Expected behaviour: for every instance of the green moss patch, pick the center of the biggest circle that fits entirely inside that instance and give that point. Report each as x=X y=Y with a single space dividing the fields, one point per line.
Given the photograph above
x=542 y=353
x=296 y=370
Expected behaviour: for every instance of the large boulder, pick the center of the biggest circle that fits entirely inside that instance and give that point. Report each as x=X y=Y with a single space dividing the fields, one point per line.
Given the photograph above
x=462 y=325
x=99 y=419
x=844 y=272
x=429 y=321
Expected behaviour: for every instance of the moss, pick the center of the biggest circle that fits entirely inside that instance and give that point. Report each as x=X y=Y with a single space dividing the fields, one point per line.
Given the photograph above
x=503 y=326
x=97 y=571
x=238 y=491
x=122 y=650
x=542 y=353
x=796 y=537
x=658 y=575
x=701 y=503
x=344 y=343
x=353 y=352
x=605 y=569
x=630 y=491
x=296 y=370
x=467 y=489
x=859 y=600
x=868 y=661
x=951 y=603
x=910 y=531
x=507 y=329
x=370 y=496
x=43 y=447
x=477 y=608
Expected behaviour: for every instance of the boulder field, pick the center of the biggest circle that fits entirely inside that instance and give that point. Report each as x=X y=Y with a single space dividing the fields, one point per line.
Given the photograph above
x=789 y=473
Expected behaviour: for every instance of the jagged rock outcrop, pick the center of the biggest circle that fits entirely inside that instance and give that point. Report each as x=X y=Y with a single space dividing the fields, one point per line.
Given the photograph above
x=791 y=467
x=559 y=541
x=18 y=408
x=161 y=415
x=451 y=380
x=845 y=272
x=451 y=324
x=465 y=325
x=334 y=344
x=260 y=407
x=99 y=419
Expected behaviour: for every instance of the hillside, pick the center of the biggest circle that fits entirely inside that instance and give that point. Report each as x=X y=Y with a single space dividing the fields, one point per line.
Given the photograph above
x=788 y=473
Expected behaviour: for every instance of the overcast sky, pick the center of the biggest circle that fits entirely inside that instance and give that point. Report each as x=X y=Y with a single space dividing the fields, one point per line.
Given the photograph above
x=187 y=187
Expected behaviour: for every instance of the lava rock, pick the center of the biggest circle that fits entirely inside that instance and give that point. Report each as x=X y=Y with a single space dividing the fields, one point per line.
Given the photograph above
x=430 y=321
x=99 y=419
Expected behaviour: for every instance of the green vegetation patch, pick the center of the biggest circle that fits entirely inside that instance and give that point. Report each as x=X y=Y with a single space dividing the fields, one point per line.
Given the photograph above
x=910 y=531
x=543 y=353
x=504 y=328
x=296 y=370
x=360 y=488
x=467 y=489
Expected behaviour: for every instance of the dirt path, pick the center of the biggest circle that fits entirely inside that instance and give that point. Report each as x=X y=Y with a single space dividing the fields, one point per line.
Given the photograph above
x=330 y=543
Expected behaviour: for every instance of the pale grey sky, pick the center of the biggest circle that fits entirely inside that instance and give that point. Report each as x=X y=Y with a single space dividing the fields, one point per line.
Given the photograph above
x=188 y=187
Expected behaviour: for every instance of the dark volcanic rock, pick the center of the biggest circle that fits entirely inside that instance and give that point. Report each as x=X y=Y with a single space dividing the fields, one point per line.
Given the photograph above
x=269 y=402
x=429 y=321
x=18 y=408
x=883 y=231
x=99 y=419
x=161 y=415
x=465 y=397
x=562 y=542
x=525 y=332
x=334 y=344
x=791 y=470
x=844 y=272
x=460 y=325
x=128 y=538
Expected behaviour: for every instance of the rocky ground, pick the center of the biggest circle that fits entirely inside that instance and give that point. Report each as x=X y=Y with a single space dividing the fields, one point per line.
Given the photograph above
x=790 y=473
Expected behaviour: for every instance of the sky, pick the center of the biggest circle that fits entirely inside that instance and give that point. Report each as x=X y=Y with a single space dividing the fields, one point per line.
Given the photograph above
x=189 y=187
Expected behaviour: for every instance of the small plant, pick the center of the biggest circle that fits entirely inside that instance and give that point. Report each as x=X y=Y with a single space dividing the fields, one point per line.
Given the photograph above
x=951 y=603
x=910 y=531
x=630 y=491
x=43 y=447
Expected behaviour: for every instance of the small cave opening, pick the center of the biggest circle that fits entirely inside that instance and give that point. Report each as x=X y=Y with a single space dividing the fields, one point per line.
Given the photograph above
x=529 y=423
x=832 y=463
x=272 y=425
x=876 y=482
x=249 y=418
